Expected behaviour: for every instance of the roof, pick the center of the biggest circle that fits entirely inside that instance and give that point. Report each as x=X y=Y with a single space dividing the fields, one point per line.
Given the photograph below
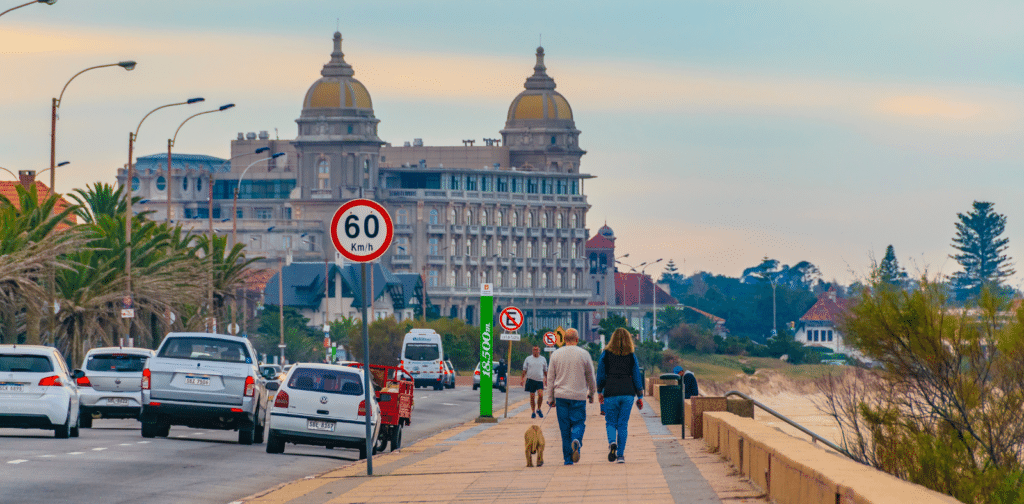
x=412 y=289
x=714 y=318
x=201 y=162
x=829 y=307
x=599 y=241
x=635 y=288
x=8 y=188
x=304 y=284
x=256 y=279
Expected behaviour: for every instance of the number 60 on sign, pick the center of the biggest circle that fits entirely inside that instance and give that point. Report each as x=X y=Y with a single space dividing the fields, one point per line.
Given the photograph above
x=362 y=230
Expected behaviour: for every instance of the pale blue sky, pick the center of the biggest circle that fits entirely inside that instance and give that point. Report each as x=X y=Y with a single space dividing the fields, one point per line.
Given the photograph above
x=719 y=131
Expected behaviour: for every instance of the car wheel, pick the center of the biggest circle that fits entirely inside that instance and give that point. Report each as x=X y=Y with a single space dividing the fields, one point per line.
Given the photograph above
x=76 y=428
x=476 y=386
x=163 y=430
x=383 y=438
x=362 y=452
x=438 y=386
x=260 y=430
x=149 y=430
x=85 y=422
x=396 y=437
x=247 y=436
x=63 y=431
x=275 y=444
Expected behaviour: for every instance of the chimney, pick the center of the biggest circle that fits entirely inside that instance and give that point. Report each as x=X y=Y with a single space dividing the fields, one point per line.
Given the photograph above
x=27 y=178
x=832 y=294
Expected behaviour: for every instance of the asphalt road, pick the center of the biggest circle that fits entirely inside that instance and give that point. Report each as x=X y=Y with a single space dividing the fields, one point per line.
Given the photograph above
x=111 y=463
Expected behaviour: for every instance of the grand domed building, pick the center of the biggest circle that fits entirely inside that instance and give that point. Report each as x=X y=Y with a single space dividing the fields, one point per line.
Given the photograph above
x=508 y=211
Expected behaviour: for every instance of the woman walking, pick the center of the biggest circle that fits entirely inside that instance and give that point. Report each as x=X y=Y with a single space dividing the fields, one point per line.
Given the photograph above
x=618 y=381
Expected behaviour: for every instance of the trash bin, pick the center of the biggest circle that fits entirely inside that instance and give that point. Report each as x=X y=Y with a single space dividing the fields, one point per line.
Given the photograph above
x=670 y=397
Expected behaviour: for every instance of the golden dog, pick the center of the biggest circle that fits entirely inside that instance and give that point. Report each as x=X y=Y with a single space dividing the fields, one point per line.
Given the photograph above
x=534 y=444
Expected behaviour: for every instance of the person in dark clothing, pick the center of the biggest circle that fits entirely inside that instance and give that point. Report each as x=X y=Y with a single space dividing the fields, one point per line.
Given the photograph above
x=689 y=385
x=618 y=382
x=501 y=372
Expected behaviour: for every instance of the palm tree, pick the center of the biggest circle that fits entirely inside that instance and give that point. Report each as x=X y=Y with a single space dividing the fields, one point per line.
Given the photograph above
x=229 y=270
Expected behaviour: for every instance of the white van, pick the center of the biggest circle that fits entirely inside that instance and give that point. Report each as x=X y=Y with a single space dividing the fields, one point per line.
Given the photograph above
x=423 y=358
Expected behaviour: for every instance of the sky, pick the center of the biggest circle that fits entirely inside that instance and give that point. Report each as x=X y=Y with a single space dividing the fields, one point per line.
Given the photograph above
x=719 y=132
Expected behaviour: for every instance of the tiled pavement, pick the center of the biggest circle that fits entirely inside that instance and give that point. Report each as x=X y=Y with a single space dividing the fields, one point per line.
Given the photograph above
x=486 y=463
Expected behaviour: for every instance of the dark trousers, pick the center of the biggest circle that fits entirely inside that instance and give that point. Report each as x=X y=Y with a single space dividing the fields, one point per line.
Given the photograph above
x=572 y=416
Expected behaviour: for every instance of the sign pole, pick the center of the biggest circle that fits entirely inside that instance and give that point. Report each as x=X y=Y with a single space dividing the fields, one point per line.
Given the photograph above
x=508 y=364
x=486 y=353
x=366 y=377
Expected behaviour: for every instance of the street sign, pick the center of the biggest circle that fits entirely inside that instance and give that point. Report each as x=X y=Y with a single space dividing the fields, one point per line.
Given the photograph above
x=550 y=339
x=559 y=336
x=234 y=328
x=362 y=230
x=127 y=313
x=510 y=337
x=511 y=319
x=550 y=349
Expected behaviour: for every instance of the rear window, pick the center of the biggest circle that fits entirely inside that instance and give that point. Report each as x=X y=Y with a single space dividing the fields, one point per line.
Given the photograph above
x=422 y=351
x=25 y=363
x=326 y=380
x=121 y=363
x=207 y=349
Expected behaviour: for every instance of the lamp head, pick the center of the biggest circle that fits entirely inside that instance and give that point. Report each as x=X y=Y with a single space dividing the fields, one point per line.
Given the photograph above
x=47 y=2
x=271 y=228
x=262 y=150
x=62 y=163
x=127 y=65
x=190 y=101
x=277 y=155
x=225 y=107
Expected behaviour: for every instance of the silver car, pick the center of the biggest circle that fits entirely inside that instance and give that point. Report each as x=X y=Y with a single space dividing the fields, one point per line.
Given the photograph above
x=110 y=384
x=37 y=391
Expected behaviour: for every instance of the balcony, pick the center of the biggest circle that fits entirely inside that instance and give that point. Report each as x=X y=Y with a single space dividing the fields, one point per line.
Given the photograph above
x=490 y=261
x=550 y=263
x=579 y=233
x=488 y=230
x=549 y=233
x=435 y=228
x=473 y=229
x=519 y=232
x=434 y=193
x=579 y=263
x=403 y=228
x=504 y=261
x=435 y=260
x=535 y=232
x=504 y=231
x=321 y=194
x=458 y=261
x=518 y=263
x=565 y=233
x=472 y=261
x=457 y=229
x=533 y=263
x=401 y=259
x=565 y=263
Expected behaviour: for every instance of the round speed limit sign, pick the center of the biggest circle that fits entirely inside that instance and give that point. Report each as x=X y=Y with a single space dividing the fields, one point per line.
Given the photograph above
x=362 y=230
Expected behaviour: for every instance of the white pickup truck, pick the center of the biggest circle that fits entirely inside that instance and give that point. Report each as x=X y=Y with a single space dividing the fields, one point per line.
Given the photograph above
x=204 y=381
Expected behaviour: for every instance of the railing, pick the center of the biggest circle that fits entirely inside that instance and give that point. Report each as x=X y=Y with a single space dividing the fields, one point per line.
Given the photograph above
x=799 y=427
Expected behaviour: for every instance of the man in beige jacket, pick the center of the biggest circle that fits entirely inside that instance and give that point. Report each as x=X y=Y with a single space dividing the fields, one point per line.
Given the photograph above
x=570 y=384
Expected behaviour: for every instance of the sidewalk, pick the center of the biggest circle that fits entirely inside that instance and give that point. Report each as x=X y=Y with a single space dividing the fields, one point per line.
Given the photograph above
x=486 y=463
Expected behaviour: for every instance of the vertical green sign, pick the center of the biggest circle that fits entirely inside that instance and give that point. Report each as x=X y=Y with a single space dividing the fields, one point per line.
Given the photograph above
x=486 y=347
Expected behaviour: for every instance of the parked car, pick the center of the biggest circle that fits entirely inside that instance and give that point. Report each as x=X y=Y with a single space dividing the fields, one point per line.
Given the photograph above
x=37 y=391
x=205 y=381
x=322 y=405
x=423 y=357
x=110 y=383
x=271 y=371
x=494 y=377
x=451 y=374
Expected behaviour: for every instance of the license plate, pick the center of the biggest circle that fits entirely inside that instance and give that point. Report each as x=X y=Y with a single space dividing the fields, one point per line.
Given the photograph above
x=117 y=401
x=320 y=425
x=11 y=387
x=197 y=380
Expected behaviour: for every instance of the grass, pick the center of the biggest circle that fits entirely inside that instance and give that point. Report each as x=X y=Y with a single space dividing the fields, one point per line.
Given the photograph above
x=722 y=368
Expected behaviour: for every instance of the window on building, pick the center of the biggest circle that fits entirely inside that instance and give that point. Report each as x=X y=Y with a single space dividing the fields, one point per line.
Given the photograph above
x=452 y=216
x=366 y=171
x=531 y=186
x=452 y=248
x=471 y=183
x=264 y=213
x=498 y=217
x=184 y=183
x=544 y=249
x=558 y=281
x=529 y=248
x=483 y=217
x=324 y=174
x=515 y=185
x=453 y=182
x=433 y=278
x=468 y=220
x=199 y=184
x=575 y=188
x=562 y=186
x=529 y=279
x=815 y=335
x=433 y=216
x=135 y=184
x=286 y=242
x=809 y=336
x=544 y=280
x=498 y=279
x=597 y=286
x=161 y=183
x=402 y=217
x=238 y=213
x=575 y=250
x=830 y=335
x=529 y=219
x=574 y=280
x=543 y=219
x=497 y=248
x=288 y=213
x=514 y=280
x=514 y=219
x=501 y=184
x=451 y=279
x=572 y=220
x=558 y=220
x=402 y=245
x=469 y=246
x=485 y=184
x=553 y=139
x=433 y=246
x=469 y=279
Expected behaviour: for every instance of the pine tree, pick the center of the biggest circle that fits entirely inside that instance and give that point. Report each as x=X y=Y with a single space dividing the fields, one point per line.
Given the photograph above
x=981 y=249
x=889 y=270
x=671 y=273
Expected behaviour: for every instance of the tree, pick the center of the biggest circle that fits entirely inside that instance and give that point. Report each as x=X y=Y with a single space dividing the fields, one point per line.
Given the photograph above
x=671 y=273
x=889 y=270
x=981 y=250
x=612 y=322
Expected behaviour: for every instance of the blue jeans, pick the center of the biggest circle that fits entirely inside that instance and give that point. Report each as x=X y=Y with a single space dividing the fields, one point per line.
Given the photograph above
x=571 y=417
x=616 y=420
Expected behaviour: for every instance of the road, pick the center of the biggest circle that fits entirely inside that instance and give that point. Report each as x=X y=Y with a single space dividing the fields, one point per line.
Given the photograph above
x=111 y=463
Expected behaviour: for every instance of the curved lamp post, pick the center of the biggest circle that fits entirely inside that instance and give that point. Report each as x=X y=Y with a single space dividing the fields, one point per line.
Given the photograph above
x=234 y=204
x=62 y=163
x=170 y=143
x=47 y=2
x=127 y=65
x=129 y=176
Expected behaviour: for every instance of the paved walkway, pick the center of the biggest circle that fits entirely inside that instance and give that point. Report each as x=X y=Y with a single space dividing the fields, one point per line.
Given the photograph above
x=486 y=463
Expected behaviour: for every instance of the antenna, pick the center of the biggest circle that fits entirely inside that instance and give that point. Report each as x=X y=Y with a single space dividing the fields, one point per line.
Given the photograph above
x=337 y=24
x=540 y=39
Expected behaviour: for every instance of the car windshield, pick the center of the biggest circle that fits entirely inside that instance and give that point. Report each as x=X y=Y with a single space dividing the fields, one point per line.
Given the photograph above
x=422 y=351
x=208 y=349
x=121 y=363
x=326 y=380
x=25 y=363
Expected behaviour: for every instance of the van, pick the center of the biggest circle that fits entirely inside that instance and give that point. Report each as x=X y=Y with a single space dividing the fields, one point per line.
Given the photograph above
x=423 y=357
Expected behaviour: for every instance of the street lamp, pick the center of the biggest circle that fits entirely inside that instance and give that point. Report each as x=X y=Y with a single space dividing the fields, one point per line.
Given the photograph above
x=234 y=204
x=47 y=2
x=129 y=175
x=58 y=165
x=62 y=163
x=127 y=65
x=170 y=143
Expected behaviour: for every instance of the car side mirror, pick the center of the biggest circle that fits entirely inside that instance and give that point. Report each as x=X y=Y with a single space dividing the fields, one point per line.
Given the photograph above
x=273 y=386
x=78 y=374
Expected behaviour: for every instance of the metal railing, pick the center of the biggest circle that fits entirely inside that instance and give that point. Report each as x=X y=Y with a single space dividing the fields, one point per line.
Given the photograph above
x=799 y=427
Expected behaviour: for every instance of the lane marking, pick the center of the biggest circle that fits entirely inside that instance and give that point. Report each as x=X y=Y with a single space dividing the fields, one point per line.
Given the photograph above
x=125 y=444
x=47 y=456
x=75 y=453
x=184 y=435
x=143 y=442
x=448 y=404
x=199 y=434
x=98 y=449
x=16 y=461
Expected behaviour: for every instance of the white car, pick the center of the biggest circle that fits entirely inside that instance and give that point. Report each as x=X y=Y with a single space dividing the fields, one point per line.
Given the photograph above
x=37 y=391
x=323 y=405
x=494 y=377
x=110 y=384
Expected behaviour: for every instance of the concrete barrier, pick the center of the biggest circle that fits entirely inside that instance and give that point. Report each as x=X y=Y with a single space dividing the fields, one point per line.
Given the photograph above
x=793 y=471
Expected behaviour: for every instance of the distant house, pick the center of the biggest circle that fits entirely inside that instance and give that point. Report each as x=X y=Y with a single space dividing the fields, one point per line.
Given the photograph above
x=719 y=322
x=819 y=325
x=27 y=179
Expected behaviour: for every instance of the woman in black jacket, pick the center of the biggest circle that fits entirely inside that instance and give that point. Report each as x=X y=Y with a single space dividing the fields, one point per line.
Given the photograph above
x=618 y=381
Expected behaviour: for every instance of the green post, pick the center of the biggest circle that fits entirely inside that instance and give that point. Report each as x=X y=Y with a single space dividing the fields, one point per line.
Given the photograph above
x=486 y=351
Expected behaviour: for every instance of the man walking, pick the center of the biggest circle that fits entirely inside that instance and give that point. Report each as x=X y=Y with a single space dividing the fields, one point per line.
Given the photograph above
x=570 y=384
x=535 y=371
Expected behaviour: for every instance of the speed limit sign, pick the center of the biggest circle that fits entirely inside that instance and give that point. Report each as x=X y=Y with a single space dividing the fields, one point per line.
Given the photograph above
x=362 y=230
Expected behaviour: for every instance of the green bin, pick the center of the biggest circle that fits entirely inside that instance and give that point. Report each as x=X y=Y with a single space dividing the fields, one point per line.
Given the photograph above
x=670 y=398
